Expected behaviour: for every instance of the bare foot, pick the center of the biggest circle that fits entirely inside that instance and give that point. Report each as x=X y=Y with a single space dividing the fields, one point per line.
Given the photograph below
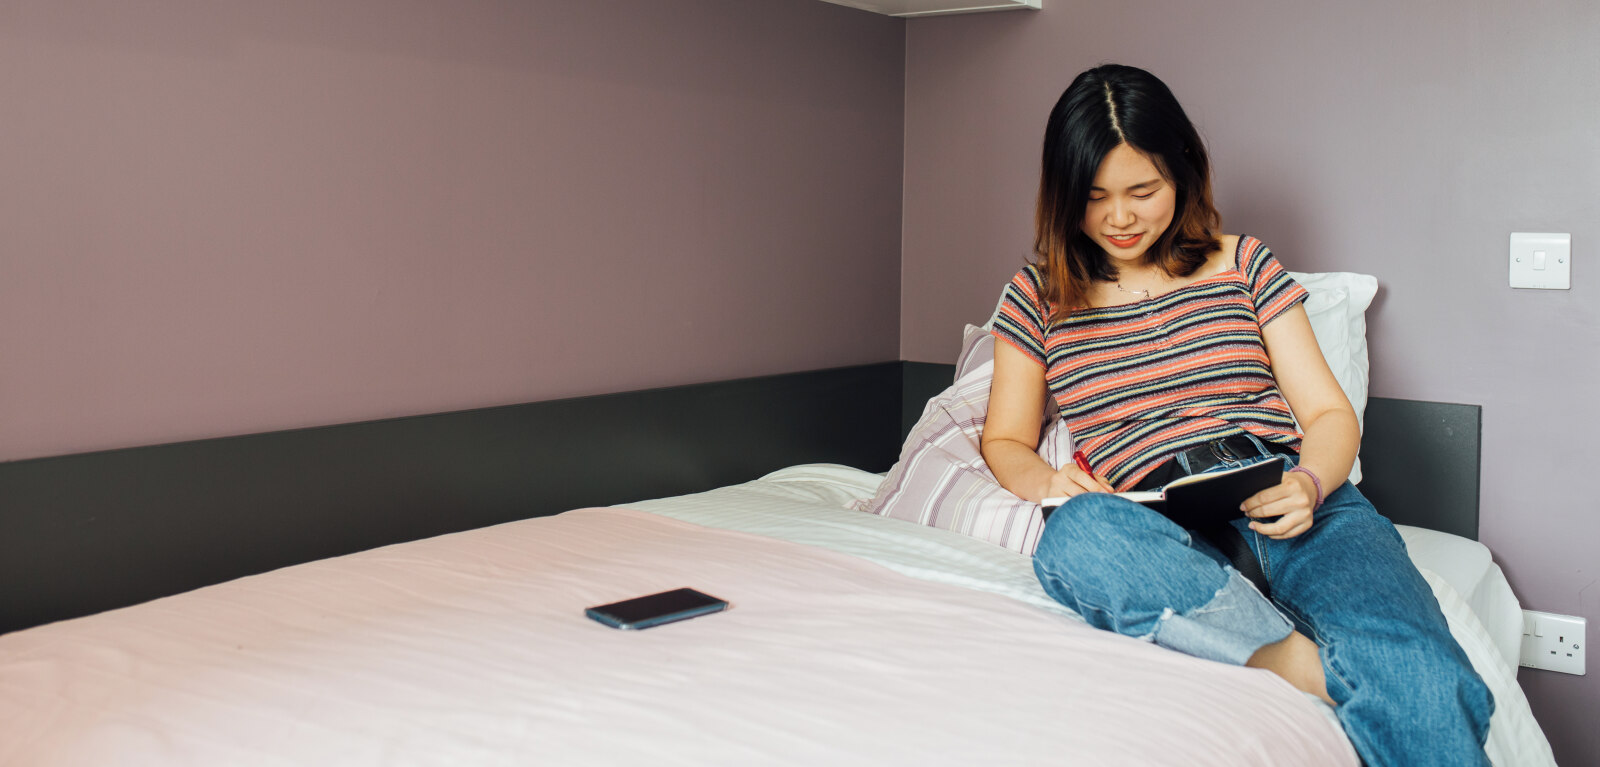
x=1295 y=659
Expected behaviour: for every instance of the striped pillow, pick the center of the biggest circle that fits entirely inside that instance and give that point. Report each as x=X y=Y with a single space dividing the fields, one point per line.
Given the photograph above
x=941 y=479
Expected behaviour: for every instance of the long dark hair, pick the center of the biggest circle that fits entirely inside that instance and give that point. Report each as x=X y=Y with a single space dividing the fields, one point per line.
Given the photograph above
x=1103 y=107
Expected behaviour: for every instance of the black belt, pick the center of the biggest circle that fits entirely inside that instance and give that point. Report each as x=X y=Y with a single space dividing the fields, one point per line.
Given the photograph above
x=1224 y=537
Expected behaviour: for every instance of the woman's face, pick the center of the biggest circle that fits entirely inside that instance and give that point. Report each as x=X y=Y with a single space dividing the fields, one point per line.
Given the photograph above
x=1130 y=205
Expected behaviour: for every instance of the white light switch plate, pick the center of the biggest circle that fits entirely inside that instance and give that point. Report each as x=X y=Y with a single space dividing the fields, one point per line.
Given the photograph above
x=1553 y=642
x=1541 y=260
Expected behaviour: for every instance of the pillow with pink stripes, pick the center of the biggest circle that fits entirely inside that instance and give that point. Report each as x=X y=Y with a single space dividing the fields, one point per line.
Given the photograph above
x=941 y=479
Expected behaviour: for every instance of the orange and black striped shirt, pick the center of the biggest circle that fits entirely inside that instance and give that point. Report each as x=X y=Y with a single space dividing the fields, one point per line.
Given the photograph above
x=1141 y=382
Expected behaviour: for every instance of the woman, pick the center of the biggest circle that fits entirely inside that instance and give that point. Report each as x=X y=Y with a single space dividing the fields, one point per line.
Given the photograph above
x=1173 y=349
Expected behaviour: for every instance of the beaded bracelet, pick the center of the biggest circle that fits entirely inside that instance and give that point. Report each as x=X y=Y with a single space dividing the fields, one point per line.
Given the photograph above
x=1314 y=481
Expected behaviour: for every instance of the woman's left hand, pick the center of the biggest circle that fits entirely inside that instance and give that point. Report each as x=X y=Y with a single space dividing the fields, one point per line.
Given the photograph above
x=1293 y=500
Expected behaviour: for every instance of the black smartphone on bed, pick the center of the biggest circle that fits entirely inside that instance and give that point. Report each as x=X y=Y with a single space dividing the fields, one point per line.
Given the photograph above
x=656 y=609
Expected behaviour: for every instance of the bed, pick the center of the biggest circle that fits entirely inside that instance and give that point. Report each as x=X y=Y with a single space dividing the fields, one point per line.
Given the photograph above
x=411 y=592
x=853 y=639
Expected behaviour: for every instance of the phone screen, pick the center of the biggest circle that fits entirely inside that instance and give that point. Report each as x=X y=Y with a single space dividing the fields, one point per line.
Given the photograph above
x=656 y=609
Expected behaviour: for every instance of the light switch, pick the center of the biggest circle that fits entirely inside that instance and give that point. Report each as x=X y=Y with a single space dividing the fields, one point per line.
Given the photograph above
x=1541 y=260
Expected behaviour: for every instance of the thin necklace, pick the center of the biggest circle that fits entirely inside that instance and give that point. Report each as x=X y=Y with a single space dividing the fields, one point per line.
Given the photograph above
x=1144 y=293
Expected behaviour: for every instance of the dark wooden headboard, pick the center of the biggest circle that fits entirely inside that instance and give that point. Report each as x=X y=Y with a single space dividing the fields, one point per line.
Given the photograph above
x=84 y=533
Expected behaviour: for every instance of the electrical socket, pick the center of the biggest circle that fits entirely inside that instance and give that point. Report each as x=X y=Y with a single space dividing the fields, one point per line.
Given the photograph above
x=1553 y=642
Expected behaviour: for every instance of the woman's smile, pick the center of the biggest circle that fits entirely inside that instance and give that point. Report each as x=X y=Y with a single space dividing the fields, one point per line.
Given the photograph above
x=1125 y=240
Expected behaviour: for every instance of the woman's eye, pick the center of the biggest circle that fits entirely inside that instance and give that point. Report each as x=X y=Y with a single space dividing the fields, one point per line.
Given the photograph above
x=1144 y=196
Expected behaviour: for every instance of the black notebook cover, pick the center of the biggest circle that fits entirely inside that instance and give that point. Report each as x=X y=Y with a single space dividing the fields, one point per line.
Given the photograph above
x=1201 y=501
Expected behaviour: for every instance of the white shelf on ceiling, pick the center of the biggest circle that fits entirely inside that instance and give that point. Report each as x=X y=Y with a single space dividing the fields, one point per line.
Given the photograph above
x=908 y=8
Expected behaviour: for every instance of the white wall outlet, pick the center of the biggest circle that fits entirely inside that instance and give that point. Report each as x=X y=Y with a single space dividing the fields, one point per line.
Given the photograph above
x=1553 y=642
x=1541 y=260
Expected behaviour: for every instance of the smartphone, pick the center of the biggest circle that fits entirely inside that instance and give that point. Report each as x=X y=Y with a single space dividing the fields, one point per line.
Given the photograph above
x=656 y=609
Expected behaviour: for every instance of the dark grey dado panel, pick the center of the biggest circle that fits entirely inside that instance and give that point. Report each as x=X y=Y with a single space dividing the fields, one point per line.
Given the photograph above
x=85 y=533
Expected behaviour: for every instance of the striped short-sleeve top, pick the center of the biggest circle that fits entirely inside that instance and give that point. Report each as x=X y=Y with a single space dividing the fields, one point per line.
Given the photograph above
x=1141 y=382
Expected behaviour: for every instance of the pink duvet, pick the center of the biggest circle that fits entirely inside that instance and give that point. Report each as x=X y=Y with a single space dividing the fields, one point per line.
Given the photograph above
x=473 y=649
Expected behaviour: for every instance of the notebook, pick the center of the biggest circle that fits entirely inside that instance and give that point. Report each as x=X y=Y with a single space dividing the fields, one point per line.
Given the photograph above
x=1201 y=501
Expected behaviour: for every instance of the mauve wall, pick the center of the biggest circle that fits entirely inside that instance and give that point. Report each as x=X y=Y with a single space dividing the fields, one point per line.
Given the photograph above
x=222 y=217
x=1401 y=139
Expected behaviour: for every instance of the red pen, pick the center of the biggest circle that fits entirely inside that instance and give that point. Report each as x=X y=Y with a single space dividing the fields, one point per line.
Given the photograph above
x=1083 y=463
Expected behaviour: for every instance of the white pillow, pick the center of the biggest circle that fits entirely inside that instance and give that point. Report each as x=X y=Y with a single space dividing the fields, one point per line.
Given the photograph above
x=1337 y=307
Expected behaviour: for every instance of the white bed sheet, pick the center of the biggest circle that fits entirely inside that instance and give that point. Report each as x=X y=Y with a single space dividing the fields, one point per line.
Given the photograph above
x=1470 y=569
x=802 y=504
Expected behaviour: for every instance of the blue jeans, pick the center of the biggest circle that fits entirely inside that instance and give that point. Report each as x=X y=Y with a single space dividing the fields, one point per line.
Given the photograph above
x=1406 y=693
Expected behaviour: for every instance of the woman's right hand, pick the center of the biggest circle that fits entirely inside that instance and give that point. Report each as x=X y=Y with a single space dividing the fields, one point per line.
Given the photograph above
x=1070 y=480
x=1010 y=441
